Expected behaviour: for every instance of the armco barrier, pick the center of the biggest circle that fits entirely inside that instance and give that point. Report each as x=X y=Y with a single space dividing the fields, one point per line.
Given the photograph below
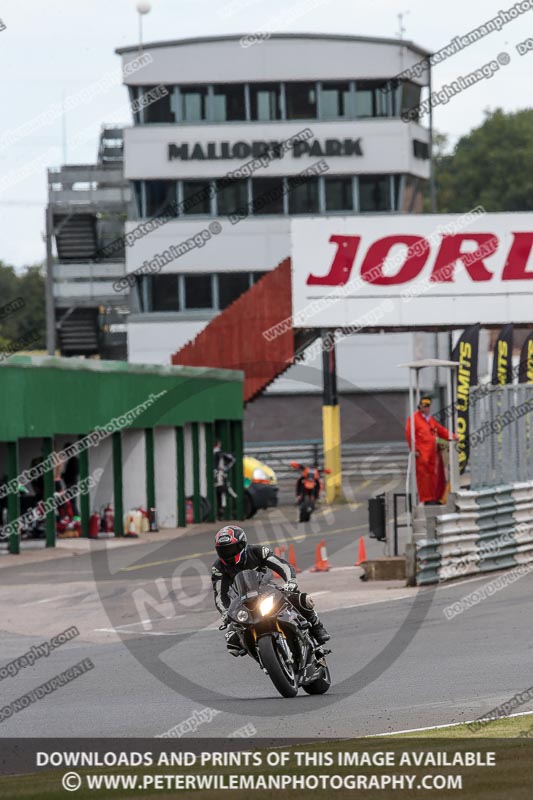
x=491 y=529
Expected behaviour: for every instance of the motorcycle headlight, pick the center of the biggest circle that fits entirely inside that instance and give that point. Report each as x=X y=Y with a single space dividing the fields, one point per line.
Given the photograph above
x=266 y=605
x=242 y=615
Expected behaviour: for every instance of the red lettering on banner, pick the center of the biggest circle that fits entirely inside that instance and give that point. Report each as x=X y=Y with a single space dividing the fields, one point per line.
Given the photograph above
x=342 y=265
x=416 y=257
x=515 y=266
x=450 y=252
x=450 y=257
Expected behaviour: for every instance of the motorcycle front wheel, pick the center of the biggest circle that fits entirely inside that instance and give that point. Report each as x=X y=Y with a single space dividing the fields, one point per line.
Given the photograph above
x=279 y=671
x=306 y=509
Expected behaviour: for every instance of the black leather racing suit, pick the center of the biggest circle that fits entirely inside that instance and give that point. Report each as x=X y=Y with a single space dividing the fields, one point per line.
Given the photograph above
x=260 y=558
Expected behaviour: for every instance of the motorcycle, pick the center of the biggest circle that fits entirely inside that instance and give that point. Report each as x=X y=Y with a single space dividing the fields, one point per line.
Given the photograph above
x=308 y=488
x=273 y=633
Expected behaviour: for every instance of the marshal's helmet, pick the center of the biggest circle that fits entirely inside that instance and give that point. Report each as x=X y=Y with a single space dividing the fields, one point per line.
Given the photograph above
x=230 y=544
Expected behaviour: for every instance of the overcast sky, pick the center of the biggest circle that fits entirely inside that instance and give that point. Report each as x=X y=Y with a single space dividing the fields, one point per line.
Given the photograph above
x=56 y=48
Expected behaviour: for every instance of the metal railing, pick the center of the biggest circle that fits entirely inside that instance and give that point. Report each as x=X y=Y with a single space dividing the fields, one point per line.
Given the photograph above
x=501 y=435
x=359 y=461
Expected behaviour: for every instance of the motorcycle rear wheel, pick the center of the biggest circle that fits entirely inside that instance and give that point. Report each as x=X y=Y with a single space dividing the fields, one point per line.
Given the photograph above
x=279 y=674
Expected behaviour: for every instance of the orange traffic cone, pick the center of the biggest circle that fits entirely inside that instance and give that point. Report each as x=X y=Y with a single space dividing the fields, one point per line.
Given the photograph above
x=292 y=559
x=321 y=558
x=362 y=552
x=277 y=552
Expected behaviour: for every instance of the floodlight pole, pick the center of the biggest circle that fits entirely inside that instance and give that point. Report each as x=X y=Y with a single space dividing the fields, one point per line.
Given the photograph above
x=49 y=285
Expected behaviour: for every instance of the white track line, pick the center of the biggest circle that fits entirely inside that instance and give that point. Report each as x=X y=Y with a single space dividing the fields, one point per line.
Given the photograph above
x=139 y=622
x=448 y=725
x=157 y=633
x=57 y=597
x=369 y=603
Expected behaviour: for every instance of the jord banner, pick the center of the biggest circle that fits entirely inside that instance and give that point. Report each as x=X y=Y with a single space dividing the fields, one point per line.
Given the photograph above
x=437 y=270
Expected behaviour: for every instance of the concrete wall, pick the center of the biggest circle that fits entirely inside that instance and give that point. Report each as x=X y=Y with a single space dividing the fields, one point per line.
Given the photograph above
x=187 y=441
x=386 y=147
x=166 y=486
x=364 y=417
x=203 y=474
x=133 y=469
x=101 y=457
x=155 y=342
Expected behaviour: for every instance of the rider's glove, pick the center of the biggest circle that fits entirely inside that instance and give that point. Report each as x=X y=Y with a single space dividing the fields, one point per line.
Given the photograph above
x=291 y=586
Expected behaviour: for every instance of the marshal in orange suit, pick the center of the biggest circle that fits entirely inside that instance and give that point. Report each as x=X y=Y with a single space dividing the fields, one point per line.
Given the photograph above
x=430 y=478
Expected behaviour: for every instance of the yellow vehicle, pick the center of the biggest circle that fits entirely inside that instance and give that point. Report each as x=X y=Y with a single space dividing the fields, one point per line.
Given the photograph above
x=260 y=486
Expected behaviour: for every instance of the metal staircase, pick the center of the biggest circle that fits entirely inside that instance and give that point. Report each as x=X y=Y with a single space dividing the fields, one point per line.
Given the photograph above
x=78 y=332
x=75 y=237
x=87 y=207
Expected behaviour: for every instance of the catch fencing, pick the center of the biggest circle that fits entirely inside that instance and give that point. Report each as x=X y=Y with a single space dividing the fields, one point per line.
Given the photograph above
x=491 y=527
x=501 y=435
x=373 y=461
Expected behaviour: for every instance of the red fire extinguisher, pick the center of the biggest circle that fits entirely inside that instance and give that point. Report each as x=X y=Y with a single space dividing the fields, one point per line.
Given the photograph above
x=94 y=525
x=109 y=519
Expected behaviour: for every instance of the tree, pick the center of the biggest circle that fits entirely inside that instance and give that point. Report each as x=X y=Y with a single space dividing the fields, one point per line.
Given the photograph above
x=491 y=166
x=27 y=323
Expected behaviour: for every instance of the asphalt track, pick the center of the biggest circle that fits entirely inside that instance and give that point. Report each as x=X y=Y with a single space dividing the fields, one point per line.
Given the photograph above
x=397 y=662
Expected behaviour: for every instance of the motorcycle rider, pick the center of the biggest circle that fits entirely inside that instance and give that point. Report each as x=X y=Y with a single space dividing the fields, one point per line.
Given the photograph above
x=234 y=555
x=223 y=462
x=307 y=473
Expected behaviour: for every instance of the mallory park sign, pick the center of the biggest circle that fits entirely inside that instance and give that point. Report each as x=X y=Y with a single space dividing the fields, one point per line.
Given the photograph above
x=211 y=151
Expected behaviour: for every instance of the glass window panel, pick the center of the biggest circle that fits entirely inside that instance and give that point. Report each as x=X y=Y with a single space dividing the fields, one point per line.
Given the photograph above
x=301 y=100
x=231 y=285
x=303 y=196
x=374 y=193
x=335 y=100
x=410 y=97
x=198 y=291
x=265 y=101
x=339 y=194
x=397 y=184
x=193 y=101
x=381 y=101
x=165 y=294
x=267 y=195
x=161 y=199
x=364 y=102
x=232 y=196
x=228 y=103
x=160 y=110
x=137 y=194
x=134 y=93
x=196 y=197
x=370 y=100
